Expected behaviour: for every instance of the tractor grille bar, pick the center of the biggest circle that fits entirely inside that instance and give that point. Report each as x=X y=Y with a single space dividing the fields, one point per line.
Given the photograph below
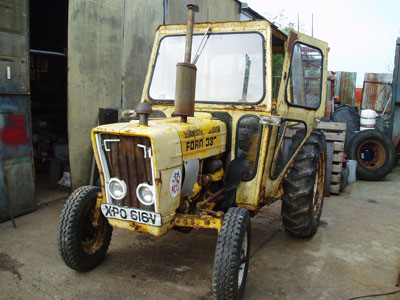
x=126 y=162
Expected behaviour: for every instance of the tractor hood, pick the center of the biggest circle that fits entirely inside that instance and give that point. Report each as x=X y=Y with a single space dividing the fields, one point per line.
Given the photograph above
x=172 y=141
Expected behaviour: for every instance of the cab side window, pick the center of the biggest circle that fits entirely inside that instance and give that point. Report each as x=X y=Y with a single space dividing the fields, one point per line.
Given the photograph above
x=290 y=135
x=305 y=77
x=248 y=140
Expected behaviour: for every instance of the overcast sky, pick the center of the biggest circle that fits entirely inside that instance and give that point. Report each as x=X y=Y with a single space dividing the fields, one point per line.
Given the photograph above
x=361 y=34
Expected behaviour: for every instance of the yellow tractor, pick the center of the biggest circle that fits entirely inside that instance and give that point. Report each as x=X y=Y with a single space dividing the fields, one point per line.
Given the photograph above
x=216 y=137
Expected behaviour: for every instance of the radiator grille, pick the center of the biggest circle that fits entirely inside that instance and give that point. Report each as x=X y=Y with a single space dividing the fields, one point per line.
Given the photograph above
x=126 y=161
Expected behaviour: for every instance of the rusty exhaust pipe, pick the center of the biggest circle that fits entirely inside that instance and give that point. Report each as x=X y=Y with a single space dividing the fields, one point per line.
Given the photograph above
x=185 y=87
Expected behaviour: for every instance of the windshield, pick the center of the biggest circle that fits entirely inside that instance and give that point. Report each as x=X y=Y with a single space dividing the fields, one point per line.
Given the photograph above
x=230 y=68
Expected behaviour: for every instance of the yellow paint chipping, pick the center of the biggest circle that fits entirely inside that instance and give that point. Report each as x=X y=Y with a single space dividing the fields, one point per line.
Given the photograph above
x=199 y=221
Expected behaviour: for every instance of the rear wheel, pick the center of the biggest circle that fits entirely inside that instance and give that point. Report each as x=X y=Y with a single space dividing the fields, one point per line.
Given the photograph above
x=374 y=152
x=347 y=114
x=82 y=244
x=304 y=188
x=232 y=255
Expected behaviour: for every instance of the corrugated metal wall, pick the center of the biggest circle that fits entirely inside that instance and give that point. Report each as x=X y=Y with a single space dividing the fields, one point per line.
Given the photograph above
x=347 y=87
x=16 y=163
x=377 y=92
x=343 y=85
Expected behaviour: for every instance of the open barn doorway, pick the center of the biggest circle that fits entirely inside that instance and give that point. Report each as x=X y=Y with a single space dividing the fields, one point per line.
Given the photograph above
x=48 y=85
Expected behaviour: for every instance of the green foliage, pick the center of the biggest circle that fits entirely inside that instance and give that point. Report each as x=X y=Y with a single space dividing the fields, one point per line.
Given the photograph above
x=284 y=24
x=277 y=64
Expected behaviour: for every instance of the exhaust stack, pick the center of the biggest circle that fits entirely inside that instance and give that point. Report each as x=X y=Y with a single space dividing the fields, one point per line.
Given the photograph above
x=185 y=87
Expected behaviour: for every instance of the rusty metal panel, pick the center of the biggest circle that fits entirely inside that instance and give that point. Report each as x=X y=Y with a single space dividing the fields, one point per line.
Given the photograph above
x=16 y=159
x=18 y=82
x=17 y=176
x=347 y=87
x=358 y=97
x=12 y=16
x=20 y=185
x=14 y=77
x=330 y=92
x=377 y=91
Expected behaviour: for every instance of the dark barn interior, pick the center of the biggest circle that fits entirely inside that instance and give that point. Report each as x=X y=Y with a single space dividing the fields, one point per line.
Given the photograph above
x=48 y=85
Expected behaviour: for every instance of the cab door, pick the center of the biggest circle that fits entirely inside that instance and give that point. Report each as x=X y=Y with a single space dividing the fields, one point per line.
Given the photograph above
x=302 y=94
x=302 y=97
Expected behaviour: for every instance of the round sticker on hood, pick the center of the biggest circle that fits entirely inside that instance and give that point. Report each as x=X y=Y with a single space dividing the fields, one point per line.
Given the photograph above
x=176 y=182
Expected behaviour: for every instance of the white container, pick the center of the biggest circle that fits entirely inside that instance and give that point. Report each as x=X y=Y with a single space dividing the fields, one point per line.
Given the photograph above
x=351 y=167
x=368 y=119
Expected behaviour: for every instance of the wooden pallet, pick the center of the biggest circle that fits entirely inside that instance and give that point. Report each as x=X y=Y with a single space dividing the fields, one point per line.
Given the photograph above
x=335 y=134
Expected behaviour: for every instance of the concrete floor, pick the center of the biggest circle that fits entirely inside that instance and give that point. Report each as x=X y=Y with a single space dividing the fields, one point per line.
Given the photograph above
x=355 y=252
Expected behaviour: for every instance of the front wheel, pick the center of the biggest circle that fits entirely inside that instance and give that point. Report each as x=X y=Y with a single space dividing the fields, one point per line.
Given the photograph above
x=81 y=243
x=232 y=255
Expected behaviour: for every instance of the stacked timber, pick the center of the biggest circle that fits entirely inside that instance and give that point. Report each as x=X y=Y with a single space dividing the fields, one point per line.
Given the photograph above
x=335 y=134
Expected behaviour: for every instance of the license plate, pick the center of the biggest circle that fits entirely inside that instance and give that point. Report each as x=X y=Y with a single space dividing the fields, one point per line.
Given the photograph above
x=131 y=214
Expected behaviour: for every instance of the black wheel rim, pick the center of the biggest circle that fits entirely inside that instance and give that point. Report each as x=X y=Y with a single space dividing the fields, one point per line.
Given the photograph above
x=371 y=154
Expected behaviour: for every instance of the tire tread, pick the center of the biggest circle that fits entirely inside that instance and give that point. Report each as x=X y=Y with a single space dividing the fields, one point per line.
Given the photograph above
x=68 y=245
x=297 y=201
x=227 y=254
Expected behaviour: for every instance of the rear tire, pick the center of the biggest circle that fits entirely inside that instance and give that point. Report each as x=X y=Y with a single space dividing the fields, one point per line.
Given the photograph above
x=374 y=152
x=347 y=114
x=303 y=196
x=81 y=245
x=232 y=255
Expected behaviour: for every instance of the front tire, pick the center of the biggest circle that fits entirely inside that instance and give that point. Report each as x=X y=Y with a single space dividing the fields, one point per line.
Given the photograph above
x=232 y=255
x=81 y=245
x=303 y=196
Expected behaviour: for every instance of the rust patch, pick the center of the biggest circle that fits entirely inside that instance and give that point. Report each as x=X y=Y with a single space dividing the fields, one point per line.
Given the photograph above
x=135 y=226
x=377 y=91
x=347 y=87
x=198 y=221
x=293 y=37
x=97 y=211
x=261 y=195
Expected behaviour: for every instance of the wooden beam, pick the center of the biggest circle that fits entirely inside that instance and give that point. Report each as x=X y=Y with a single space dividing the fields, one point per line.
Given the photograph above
x=331 y=126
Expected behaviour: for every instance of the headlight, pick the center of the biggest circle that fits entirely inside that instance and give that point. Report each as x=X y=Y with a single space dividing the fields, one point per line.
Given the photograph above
x=117 y=188
x=145 y=194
